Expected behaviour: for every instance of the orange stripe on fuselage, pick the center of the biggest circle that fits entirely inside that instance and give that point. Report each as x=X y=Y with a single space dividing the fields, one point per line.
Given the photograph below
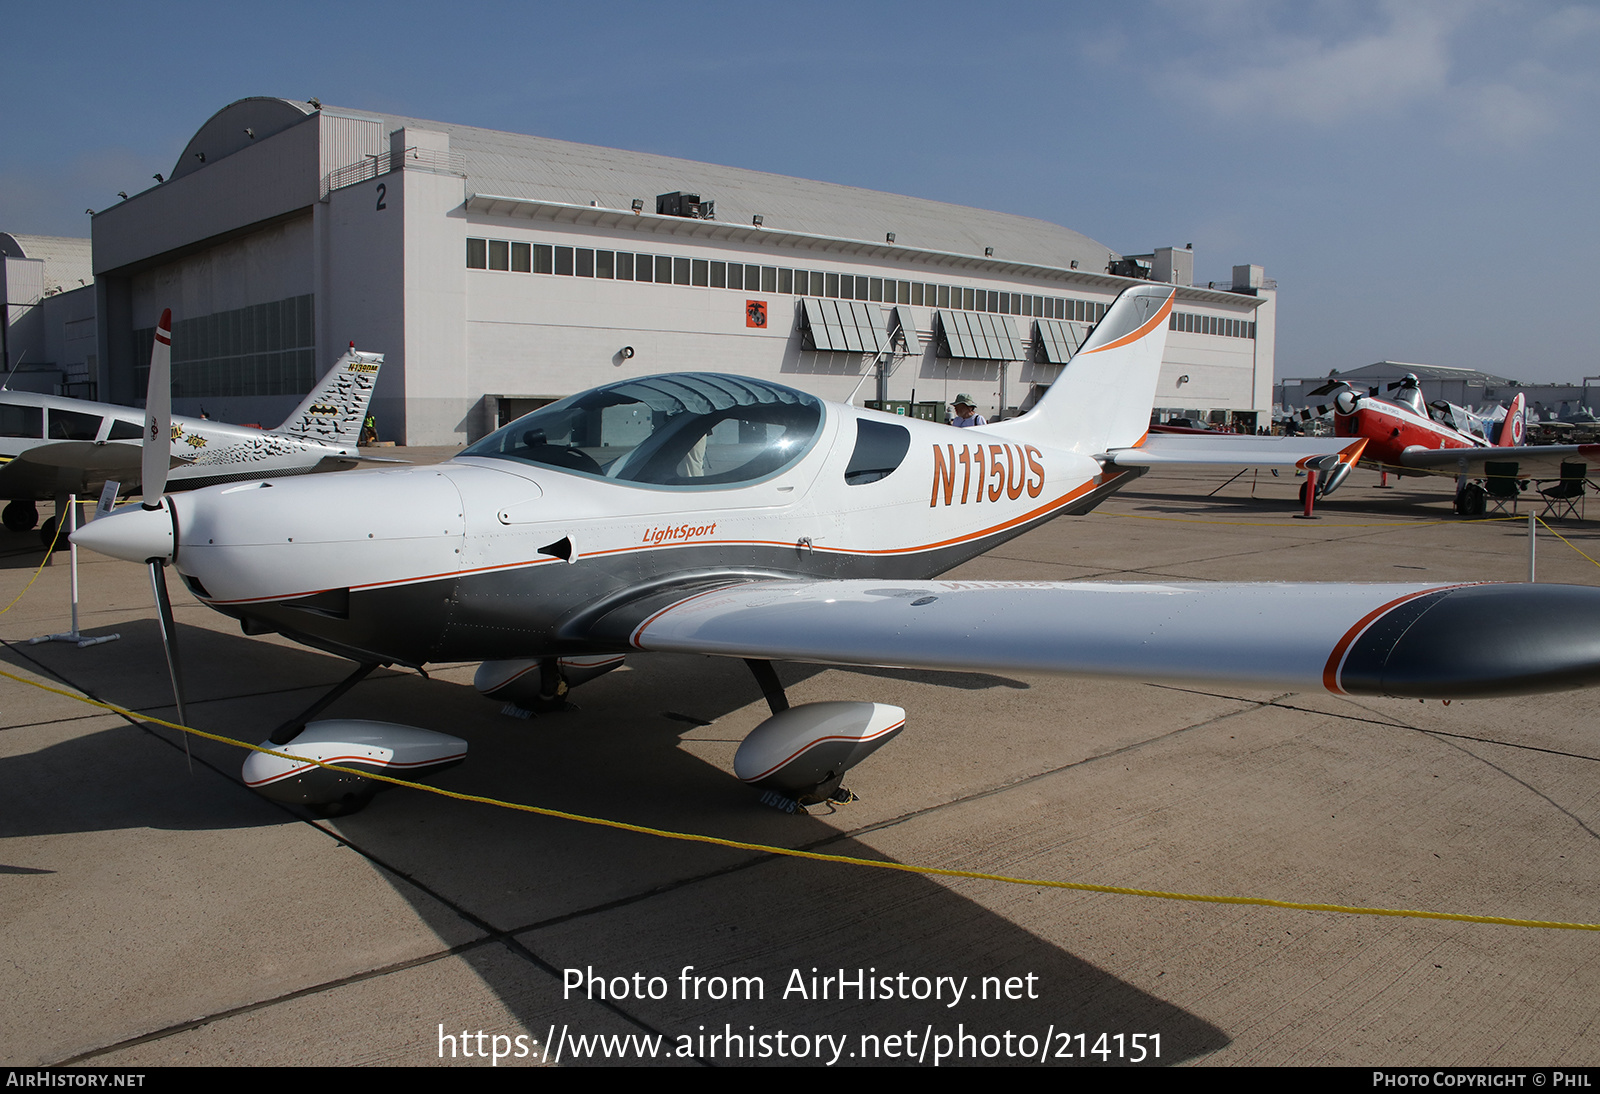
x=1039 y=513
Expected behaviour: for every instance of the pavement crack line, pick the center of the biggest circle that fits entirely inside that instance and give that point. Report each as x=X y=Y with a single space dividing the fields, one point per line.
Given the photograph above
x=1446 y=739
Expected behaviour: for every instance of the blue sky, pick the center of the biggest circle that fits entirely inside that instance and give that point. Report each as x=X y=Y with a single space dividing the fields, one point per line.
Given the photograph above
x=1420 y=178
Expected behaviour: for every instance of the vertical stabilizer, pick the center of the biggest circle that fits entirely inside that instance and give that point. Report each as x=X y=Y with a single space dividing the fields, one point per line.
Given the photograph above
x=1103 y=398
x=1513 y=429
x=337 y=406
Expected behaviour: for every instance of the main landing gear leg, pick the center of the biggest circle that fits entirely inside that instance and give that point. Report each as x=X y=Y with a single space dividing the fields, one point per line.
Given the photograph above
x=324 y=765
x=1308 y=495
x=294 y=726
x=771 y=686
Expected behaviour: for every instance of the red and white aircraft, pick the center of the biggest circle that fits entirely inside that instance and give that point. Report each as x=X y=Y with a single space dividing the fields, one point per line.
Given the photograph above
x=724 y=515
x=1408 y=436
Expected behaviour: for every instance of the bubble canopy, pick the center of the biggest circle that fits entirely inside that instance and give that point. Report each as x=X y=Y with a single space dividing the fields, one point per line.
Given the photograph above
x=685 y=430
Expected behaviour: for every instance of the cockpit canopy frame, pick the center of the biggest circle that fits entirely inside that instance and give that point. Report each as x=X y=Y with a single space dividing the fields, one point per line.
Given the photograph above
x=684 y=431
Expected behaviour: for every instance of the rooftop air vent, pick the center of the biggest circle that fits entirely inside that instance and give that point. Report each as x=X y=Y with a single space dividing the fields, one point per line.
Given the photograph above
x=680 y=204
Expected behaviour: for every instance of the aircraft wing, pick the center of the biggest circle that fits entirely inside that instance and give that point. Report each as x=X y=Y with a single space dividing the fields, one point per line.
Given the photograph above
x=1239 y=450
x=71 y=467
x=1534 y=461
x=1416 y=641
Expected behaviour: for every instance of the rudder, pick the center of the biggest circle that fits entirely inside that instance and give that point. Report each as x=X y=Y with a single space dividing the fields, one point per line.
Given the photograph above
x=1106 y=390
x=1513 y=428
x=337 y=406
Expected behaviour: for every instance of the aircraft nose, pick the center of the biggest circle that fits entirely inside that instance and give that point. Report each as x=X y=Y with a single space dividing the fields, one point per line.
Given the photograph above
x=132 y=532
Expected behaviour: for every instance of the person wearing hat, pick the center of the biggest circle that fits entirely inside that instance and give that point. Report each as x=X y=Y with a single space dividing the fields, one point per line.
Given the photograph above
x=965 y=411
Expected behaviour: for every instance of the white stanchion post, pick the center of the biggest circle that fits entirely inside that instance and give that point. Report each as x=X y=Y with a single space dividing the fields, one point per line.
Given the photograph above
x=72 y=553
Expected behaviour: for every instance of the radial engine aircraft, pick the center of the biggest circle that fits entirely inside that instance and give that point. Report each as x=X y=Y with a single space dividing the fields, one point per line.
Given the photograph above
x=51 y=446
x=1407 y=435
x=713 y=514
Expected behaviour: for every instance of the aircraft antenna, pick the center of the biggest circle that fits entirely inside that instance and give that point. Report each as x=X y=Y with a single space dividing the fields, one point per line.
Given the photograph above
x=5 y=385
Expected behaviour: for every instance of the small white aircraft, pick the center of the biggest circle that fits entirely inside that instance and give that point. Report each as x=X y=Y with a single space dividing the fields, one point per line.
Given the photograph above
x=714 y=514
x=51 y=447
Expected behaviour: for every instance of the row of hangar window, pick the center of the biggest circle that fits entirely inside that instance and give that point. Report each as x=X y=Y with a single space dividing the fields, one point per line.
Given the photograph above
x=544 y=258
x=1219 y=325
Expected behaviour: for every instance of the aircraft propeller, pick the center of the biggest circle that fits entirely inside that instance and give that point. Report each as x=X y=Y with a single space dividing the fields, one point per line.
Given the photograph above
x=155 y=458
x=1345 y=401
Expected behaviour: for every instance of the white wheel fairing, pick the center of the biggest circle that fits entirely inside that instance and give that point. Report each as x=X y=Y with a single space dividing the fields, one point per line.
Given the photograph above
x=381 y=747
x=797 y=749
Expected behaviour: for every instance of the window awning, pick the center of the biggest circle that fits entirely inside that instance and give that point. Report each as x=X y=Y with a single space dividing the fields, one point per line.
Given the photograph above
x=1056 y=340
x=908 y=328
x=977 y=336
x=842 y=326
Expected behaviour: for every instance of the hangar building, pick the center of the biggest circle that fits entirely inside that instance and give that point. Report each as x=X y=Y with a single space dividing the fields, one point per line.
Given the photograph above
x=498 y=271
x=48 y=338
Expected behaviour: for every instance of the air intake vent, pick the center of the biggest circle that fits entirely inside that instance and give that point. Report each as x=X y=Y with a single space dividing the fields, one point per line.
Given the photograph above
x=680 y=204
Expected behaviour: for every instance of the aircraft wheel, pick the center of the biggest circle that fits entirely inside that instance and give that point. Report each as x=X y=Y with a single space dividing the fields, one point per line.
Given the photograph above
x=20 y=516
x=1471 y=501
x=1303 y=487
x=47 y=533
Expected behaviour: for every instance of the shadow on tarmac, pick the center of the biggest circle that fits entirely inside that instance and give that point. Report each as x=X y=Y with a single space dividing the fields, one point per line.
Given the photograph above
x=550 y=894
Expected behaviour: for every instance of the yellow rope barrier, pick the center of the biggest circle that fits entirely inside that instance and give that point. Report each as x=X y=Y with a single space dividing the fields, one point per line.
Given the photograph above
x=48 y=551
x=1562 y=538
x=818 y=856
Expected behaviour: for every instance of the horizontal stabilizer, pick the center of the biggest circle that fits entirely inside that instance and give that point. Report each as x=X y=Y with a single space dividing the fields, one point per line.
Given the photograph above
x=1242 y=450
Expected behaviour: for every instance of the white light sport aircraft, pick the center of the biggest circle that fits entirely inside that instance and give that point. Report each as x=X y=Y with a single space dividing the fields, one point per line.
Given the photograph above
x=712 y=514
x=51 y=446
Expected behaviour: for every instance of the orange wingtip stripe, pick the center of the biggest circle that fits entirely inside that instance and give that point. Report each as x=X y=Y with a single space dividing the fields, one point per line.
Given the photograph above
x=1331 y=671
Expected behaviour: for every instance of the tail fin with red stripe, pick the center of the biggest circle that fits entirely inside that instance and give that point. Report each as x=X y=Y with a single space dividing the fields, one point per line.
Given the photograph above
x=1513 y=429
